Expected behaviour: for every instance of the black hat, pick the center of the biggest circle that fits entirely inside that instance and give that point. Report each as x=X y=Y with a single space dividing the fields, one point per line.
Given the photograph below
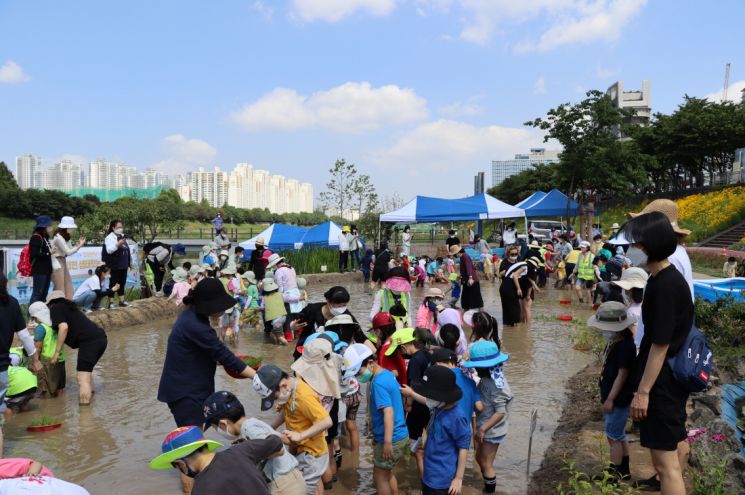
x=442 y=355
x=217 y=405
x=209 y=297
x=439 y=384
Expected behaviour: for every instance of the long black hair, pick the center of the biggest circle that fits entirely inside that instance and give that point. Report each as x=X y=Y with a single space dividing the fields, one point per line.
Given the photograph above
x=486 y=327
x=4 y=296
x=449 y=336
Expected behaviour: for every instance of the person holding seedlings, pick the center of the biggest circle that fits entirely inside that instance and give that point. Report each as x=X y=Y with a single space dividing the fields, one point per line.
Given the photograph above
x=78 y=332
x=492 y=420
x=616 y=386
x=449 y=434
x=225 y=413
x=233 y=471
x=54 y=377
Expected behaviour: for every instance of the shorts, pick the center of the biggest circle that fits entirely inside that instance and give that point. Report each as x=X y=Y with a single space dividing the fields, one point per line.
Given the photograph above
x=417 y=420
x=379 y=274
x=664 y=425
x=352 y=402
x=278 y=326
x=312 y=468
x=433 y=491
x=495 y=440
x=187 y=411
x=291 y=483
x=569 y=268
x=3 y=390
x=18 y=402
x=615 y=423
x=89 y=354
x=585 y=284
x=398 y=452
x=333 y=432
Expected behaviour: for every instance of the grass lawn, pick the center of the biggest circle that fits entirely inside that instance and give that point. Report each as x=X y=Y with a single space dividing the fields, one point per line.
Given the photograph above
x=708 y=264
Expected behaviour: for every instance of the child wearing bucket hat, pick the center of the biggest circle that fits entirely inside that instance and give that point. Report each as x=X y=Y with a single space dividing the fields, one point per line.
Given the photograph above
x=395 y=297
x=231 y=472
x=616 y=385
x=274 y=310
x=181 y=287
x=492 y=420
x=54 y=377
x=633 y=280
x=449 y=434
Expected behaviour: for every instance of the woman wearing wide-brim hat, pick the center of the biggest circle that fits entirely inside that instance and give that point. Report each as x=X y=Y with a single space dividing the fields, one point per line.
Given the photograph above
x=194 y=348
x=61 y=243
x=470 y=298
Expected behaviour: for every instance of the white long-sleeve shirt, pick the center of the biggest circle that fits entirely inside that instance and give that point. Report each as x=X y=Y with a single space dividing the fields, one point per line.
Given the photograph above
x=64 y=248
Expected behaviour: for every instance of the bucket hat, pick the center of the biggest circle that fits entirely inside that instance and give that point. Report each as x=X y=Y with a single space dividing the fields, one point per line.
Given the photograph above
x=210 y=297
x=180 y=443
x=668 y=208
x=534 y=244
x=320 y=373
x=274 y=259
x=340 y=320
x=438 y=383
x=615 y=226
x=331 y=337
x=353 y=357
x=632 y=278
x=454 y=249
x=585 y=244
x=179 y=249
x=400 y=337
x=250 y=277
x=270 y=285
x=611 y=316
x=266 y=383
x=40 y=311
x=217 y=405
x=228 y=270
x=54 y=295
x=346 y=229
x=179 y=275
x=398 y=284
x=67 y=223
x=225 y=253
x=260 y=241
x=485 y=354
x=468 y=317
x=434 y=292
x=382 y=319
x=42 y=222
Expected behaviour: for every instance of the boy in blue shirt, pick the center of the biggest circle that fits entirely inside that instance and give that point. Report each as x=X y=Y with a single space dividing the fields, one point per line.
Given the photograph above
x=390 y=434
x=449 y=434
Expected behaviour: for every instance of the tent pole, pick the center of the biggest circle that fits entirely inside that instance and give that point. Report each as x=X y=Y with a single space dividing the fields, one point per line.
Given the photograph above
x=526 y=229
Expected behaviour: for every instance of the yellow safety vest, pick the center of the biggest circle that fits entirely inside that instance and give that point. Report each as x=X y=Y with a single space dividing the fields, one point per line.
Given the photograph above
x=387 y=301
x=49 y=345
x=20 y=380
x=585 y=271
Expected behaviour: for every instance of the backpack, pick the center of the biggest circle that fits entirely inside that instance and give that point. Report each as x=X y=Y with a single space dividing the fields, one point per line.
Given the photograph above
x=24 y=260
x=691 y=366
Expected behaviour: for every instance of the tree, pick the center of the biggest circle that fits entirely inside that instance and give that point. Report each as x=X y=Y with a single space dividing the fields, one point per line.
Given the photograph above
x=7 y=180
x=338 y=194
x=540 y=177
x=364 y=196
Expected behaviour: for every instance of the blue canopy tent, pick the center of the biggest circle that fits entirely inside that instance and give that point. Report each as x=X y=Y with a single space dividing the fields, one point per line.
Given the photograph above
x=278 y=237
x=552 y=204
x=428 y=209
x=323 y=235
x=530 y=200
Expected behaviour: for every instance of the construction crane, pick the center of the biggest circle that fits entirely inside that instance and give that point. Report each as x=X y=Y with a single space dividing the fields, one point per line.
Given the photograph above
x=726 y=82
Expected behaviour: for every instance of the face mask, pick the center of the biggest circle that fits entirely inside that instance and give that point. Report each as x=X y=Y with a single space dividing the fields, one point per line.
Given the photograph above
x=512 y=258
x=119 y=231
x=366 y=376
x=338 y=311
x=50 y=230
x=189 y=471
x=227 y=435
x=284 y=397
x=637 y=257
x=433 y=404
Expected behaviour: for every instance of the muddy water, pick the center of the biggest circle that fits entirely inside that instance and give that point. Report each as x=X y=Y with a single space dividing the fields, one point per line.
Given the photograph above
x=105 y=447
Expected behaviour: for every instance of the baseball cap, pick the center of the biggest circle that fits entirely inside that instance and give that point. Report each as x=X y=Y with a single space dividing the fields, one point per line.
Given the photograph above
x=265 y=383
x=399 y=338
x=442 y=355
x=217 y=405
x=353 y=357
x=383 y=319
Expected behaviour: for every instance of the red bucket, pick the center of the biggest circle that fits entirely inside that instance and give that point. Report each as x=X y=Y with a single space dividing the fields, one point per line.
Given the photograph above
x=41 y=428
x=566 y=317
x=565 y=301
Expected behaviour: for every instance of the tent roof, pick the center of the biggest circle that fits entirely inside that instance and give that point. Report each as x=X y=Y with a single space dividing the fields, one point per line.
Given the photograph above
x=325 y=234
x=552 y=204
x=429 y=209
x=532 y=199
x=277 y=236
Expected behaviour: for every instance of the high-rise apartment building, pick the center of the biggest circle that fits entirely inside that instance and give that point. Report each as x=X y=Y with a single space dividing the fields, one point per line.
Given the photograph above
x=210 y=186
x=62 y=176
x=501 y=169
x=27 y=167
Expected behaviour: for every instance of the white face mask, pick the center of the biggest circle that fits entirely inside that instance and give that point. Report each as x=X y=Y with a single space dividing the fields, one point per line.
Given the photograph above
x=433 y=404
x=284 y=397
x=119 y=231
x=227 y=435
x=338 y=311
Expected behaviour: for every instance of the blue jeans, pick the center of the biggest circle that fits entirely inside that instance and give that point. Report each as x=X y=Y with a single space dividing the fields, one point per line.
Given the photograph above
x=615 y=423
x=355 y=257
x=41 y=287
x=3 y=391
x=86 y=300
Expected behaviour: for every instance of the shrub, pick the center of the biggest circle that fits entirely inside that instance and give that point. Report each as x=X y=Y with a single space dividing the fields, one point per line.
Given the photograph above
x=580 y=483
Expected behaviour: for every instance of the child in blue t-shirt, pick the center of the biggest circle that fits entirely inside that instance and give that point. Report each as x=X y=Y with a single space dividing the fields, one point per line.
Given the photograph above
x=491 y=421
x=449 y=434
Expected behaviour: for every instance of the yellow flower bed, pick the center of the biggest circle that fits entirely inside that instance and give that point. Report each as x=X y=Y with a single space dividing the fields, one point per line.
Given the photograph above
x=703 y=214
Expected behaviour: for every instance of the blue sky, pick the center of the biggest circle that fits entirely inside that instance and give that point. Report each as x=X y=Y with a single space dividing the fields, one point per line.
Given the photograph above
x=420 y=94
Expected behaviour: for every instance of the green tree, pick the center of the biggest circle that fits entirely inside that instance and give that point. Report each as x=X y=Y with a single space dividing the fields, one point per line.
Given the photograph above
x=339 y=190
x=540 y=177
x=7 y=179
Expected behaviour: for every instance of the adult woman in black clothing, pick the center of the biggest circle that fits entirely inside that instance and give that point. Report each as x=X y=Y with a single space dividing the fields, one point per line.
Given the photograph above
x=667 y=312
x=256 y=262
x=510 y=270
x=78 y=332
x=40 y=252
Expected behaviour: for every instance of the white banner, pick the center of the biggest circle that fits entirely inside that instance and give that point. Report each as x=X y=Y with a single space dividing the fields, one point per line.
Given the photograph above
x=80 y=265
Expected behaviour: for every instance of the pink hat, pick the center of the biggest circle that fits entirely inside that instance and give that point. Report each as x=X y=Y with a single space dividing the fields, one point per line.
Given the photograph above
x=398 y=284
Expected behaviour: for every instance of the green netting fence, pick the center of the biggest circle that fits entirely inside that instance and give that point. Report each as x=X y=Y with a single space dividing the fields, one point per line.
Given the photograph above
x=114 y=194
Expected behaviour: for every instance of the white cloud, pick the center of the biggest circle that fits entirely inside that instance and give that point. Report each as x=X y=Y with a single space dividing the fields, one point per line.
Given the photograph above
x=184 y=154
x=12 y=73
x=449 y=150
x=605 y=72
x=263 y=9
x=569 y=21
x=734 y=93
x=539 y=86
x=460 y=108
x=351 y=107
x=335 y=10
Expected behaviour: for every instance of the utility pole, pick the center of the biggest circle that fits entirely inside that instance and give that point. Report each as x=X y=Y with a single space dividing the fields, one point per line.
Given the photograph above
x=726 y=81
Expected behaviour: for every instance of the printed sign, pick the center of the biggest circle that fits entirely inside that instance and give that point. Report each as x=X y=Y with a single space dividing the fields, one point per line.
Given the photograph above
x=81 y=266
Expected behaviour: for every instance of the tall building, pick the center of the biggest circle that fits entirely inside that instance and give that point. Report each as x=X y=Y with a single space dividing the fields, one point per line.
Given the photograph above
x=210 y=186
x=240 y=190
x=62 y=176
x=501 y=169
x=640 y=101
x=27 y=167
